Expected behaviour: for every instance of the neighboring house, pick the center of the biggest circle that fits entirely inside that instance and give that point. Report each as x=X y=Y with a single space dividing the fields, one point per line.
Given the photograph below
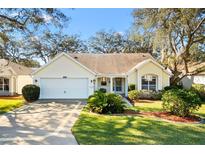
x=71 y=76
x=13 y=77
x=194 y=79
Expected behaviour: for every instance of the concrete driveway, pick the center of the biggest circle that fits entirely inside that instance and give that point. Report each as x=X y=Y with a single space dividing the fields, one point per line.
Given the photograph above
x=45 y=122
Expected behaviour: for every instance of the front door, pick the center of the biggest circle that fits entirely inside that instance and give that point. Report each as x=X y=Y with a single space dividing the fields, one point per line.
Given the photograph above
x=118 y=85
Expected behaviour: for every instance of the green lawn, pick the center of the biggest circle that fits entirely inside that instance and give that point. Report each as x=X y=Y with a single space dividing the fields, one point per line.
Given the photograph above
x=148 y=106
x=152 y=106
x=8 y=104
x=92 y=128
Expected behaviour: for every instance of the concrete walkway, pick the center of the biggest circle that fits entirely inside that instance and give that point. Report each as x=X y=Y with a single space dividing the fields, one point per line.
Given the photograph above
x=41 y=123
x=127 y=101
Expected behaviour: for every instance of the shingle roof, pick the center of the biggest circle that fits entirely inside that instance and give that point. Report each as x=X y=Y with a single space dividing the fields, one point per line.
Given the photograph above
x=116 y=63
x=19 y=69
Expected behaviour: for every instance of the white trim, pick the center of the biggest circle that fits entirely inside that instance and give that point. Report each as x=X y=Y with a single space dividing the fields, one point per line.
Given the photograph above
x=145 y=62
x=111 y=84
x=126 y=86
x=57 y=57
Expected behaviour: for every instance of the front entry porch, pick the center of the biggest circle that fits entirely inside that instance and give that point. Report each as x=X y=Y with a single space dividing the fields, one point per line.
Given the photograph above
x=115 y=84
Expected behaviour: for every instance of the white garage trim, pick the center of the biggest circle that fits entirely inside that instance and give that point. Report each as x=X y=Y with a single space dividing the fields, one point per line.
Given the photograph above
x=68 y=90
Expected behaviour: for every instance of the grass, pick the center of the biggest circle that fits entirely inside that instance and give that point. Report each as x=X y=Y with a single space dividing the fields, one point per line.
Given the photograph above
x=148 y=106
x=154 y=106
x=9 y=103
x=93 y=128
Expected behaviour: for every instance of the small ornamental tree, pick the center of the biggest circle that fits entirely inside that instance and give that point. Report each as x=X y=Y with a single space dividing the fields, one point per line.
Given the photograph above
x=180 y=102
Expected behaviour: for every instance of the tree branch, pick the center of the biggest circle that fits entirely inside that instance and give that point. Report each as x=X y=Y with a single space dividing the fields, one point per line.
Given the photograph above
x=198 y=26
x=19 y=24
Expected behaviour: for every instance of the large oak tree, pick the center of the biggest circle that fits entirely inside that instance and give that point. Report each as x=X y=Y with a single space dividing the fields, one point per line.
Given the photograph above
x=18 y=27
x=178 y=36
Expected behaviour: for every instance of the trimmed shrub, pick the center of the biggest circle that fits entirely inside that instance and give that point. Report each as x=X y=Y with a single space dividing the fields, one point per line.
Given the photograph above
x=97 y=102
x=103 y=90
x=200 y=90
x=152 y=95
x=131 y=87
x=173 y=87
x=114 y=104
x=31 y=92
x=133 y=94
x=103 y=103
x=180 y=102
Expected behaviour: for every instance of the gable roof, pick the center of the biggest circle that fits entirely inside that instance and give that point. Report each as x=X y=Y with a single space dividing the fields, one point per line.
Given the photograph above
x=17 y=68
x=58 y=56
x=117 y=63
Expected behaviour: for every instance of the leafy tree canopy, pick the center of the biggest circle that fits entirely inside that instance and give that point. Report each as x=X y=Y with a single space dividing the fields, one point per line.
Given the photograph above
x=115 y=42
x=18 y=27
x=177 y=36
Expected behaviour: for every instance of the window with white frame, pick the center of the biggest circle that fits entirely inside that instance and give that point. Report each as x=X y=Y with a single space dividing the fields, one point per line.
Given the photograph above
x=4 y=84
x=149 y=82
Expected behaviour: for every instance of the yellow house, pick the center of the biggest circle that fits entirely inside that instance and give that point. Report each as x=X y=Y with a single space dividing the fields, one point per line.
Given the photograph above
x=70 y=76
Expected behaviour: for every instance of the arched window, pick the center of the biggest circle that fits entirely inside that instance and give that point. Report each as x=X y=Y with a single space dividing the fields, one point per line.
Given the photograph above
x=149 y=82
x=4 y=84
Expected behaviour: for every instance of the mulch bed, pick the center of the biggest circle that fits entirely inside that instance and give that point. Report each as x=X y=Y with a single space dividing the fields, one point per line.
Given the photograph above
x=165 y=116
x=11 y=97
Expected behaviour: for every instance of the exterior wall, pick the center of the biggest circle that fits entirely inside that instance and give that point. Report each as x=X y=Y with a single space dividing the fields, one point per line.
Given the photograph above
x=65 y=67
x=21 y=81
x=165 y=80
x=151 y=68
x=132 y=78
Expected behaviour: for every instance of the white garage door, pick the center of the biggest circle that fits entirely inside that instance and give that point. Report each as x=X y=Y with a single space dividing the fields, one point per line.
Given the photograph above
x=59 y=88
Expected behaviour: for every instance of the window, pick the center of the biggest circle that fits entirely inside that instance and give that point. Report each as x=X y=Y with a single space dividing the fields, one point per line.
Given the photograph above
x=118 y=84
x=149 y=82
x=4 y=84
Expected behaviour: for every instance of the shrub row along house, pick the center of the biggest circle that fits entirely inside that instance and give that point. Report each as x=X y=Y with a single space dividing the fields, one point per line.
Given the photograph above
x=76 y=76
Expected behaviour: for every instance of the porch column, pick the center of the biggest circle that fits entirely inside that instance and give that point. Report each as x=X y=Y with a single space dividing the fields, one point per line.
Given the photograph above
x=96 y=84
x=11 y=85
x=126 y=86
x=111 y=84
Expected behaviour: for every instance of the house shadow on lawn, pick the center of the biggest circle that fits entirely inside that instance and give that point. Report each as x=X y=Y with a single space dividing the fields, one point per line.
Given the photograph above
x=100 y=129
